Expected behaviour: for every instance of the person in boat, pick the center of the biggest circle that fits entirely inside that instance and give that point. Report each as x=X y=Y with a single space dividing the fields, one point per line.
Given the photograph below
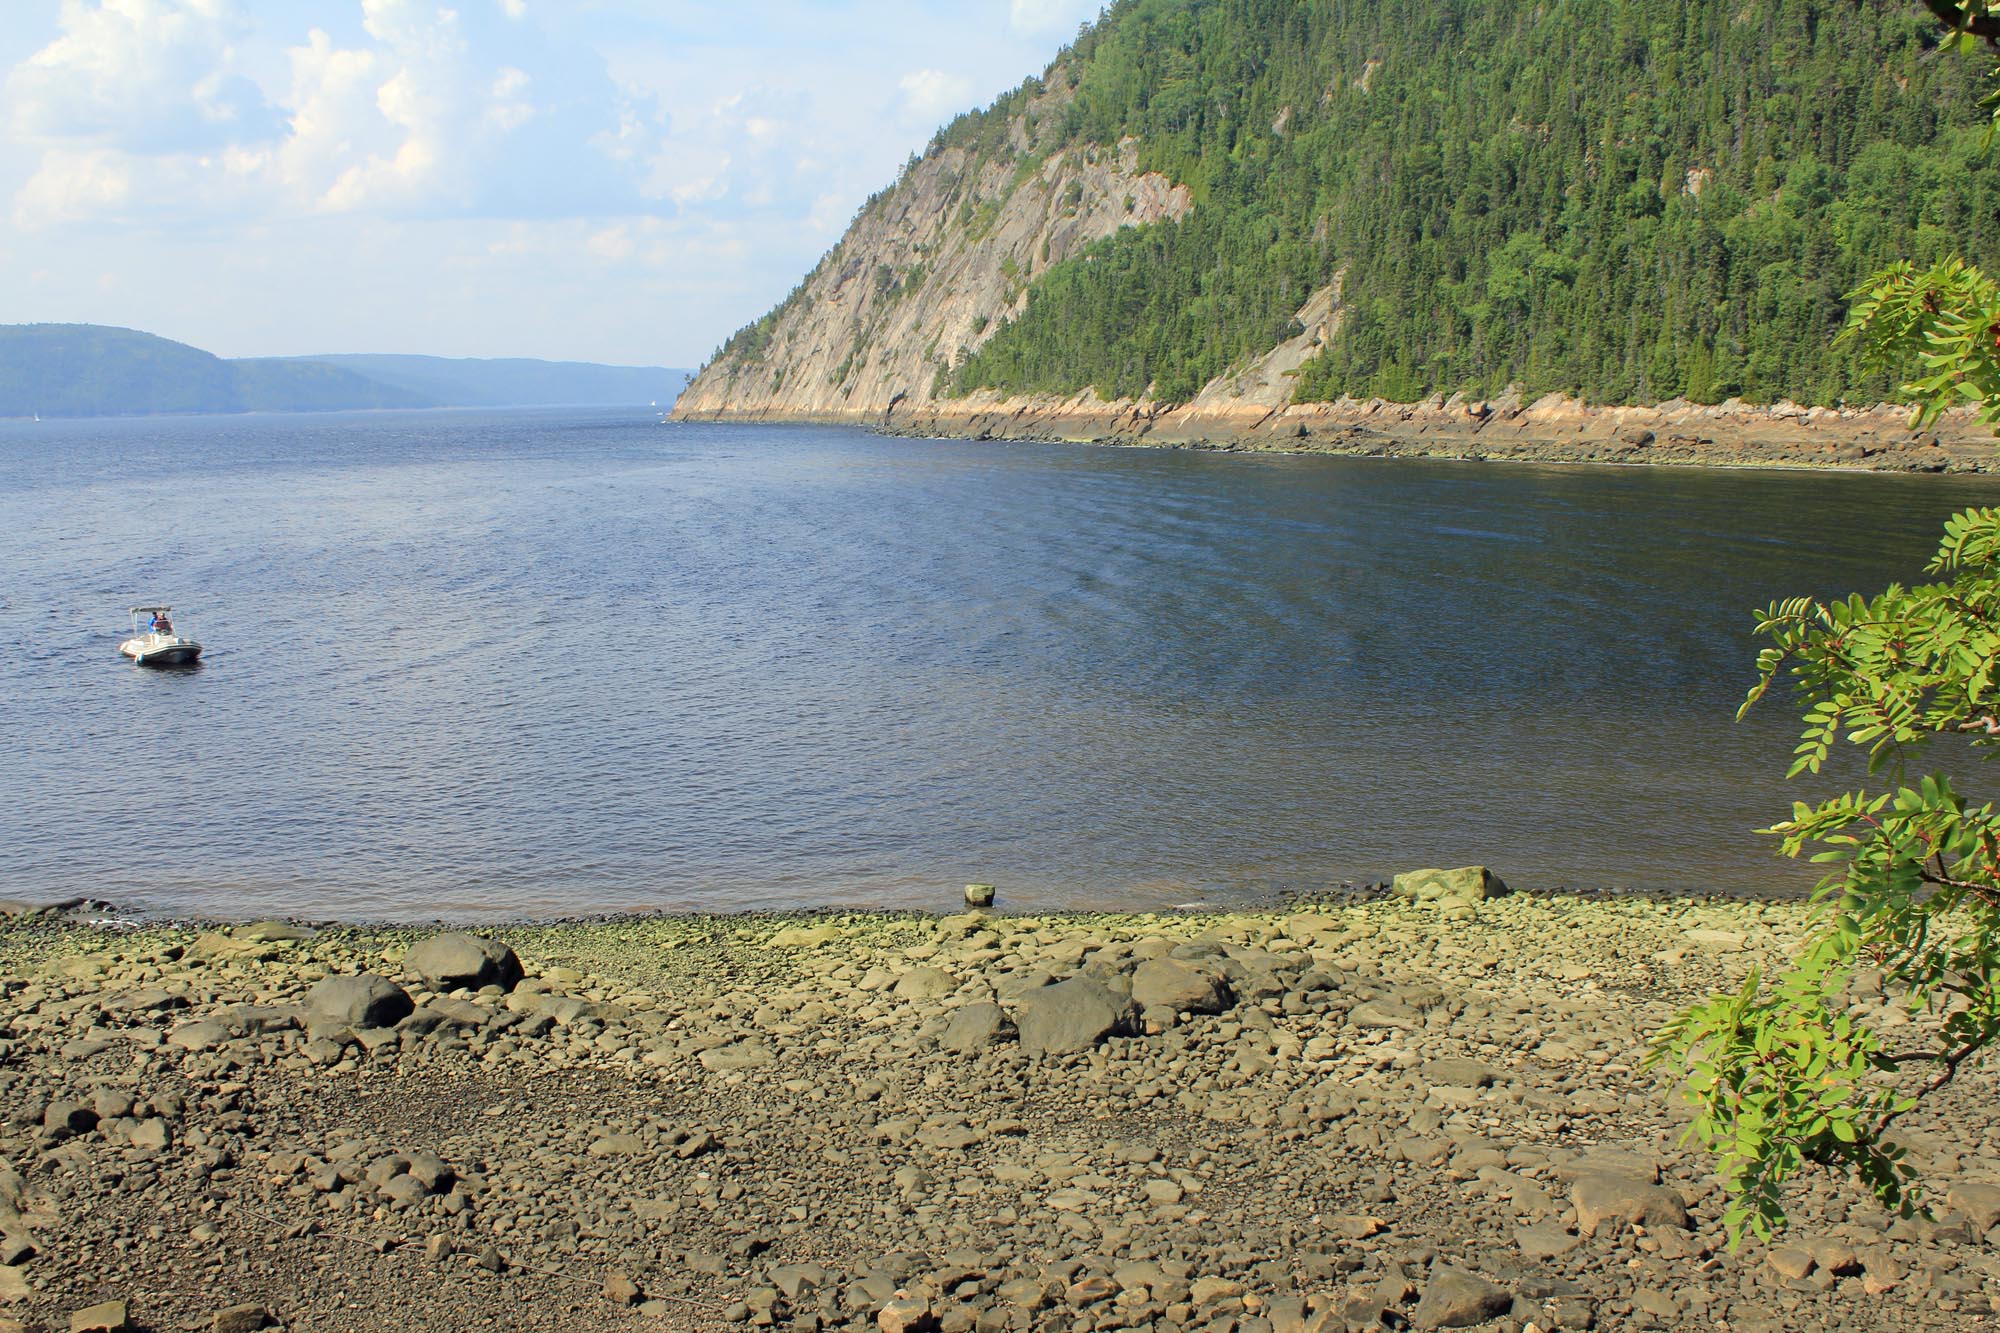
x=161 y=625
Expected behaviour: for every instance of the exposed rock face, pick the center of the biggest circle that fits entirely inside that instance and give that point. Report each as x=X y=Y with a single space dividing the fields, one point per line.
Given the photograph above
x=935 y=265
x=931 y=267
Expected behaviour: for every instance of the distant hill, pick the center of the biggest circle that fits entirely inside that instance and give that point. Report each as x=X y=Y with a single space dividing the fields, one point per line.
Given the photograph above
x=514 y=381
x=90 y=370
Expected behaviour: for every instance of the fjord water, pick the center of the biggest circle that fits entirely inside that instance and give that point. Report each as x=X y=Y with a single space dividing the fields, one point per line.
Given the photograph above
x=482 y=665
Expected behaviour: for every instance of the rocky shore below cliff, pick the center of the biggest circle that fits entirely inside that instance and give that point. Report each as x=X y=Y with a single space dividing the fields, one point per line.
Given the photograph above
x=1554 y=429
x=1356 y=1114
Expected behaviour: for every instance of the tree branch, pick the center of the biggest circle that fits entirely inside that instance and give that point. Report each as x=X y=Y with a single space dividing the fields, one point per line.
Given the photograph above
x=1955 y=18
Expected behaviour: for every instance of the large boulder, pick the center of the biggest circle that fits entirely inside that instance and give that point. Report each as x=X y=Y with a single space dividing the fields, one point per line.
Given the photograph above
x=363 y=1001
x=1186 y=987
x=462 y=962
x=1468 y=884
x=1071 y=1016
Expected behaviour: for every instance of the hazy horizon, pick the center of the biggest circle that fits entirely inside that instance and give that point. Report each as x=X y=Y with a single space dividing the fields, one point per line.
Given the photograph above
x=604 y=181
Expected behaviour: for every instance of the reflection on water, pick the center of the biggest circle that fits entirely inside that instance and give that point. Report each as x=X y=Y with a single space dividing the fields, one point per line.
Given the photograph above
x=471 y=664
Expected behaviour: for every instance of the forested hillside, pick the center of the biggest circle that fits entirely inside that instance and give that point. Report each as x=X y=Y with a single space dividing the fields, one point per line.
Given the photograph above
x=1624 y=200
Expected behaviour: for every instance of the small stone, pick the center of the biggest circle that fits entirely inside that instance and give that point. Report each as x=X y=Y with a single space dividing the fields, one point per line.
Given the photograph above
x=618 y=1145
x=1090 y=1290
x=490 y=1260
x=621 y=1290
x=804 y=937
x=906 y=1314
x=979 y=895
x=201 y=1035
x=108 y=1317
x=1209 y=1290
x=152 y=1136
x=739 y=1055
x=1789 y=1262
x=1545 y=1240
x=925 y=983
x=1454 y=1072
x=240 y=1319
x=438 y=1248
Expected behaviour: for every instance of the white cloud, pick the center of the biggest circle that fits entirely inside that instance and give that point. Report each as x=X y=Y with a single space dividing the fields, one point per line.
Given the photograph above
x=141 y=75
x=613 y=244
x=69 y=186
x=930 y=95
x=412 y=166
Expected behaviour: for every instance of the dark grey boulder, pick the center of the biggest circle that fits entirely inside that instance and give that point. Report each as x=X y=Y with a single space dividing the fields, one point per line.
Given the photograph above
x=1071 y=1016
x=462 y=962
x=1186 y=987
x=363 y=1001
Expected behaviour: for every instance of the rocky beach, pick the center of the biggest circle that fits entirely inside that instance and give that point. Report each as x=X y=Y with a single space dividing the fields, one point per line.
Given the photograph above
x=1359 y=1113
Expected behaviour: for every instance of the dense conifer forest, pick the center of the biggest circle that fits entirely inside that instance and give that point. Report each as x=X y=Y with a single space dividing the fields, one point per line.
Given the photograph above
x=1626 y=200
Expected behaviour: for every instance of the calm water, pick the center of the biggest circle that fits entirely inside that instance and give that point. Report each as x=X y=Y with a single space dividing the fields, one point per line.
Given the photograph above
x=476 y=665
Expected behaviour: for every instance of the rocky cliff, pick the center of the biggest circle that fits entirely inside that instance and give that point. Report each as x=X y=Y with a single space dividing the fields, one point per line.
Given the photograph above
x=1032 y=235
x=929 y=271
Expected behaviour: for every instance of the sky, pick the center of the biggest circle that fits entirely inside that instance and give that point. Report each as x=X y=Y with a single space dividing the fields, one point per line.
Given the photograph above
x=625 y=181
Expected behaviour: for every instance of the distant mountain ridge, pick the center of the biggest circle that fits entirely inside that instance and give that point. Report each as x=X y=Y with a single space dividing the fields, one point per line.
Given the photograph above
x=510 y=381
x=89 y=370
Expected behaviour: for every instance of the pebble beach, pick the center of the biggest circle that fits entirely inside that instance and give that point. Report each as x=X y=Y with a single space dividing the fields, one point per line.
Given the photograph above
x=1361 y=1113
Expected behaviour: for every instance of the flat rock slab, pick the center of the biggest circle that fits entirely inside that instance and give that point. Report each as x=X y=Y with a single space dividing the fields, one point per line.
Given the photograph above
x=1626 y=1200
x=738 y=1055
x=1545 y=1240
x=1185 y=987
x=110 y=1317
x=1977 y=1201
x=976 y=1027
x=1454 y=1298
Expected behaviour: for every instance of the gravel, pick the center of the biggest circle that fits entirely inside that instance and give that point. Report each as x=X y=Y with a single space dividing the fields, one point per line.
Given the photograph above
x=1330 y=1116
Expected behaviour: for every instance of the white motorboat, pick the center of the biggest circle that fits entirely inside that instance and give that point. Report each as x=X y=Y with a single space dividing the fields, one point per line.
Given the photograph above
x=157 y=642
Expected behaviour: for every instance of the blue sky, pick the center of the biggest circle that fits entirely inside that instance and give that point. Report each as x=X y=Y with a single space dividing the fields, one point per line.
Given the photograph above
x=607 y=180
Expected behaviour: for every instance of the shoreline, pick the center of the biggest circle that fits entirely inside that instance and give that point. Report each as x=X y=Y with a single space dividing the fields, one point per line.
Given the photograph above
x=1302 y=1118
x=1553 y=429
x=113 y=915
